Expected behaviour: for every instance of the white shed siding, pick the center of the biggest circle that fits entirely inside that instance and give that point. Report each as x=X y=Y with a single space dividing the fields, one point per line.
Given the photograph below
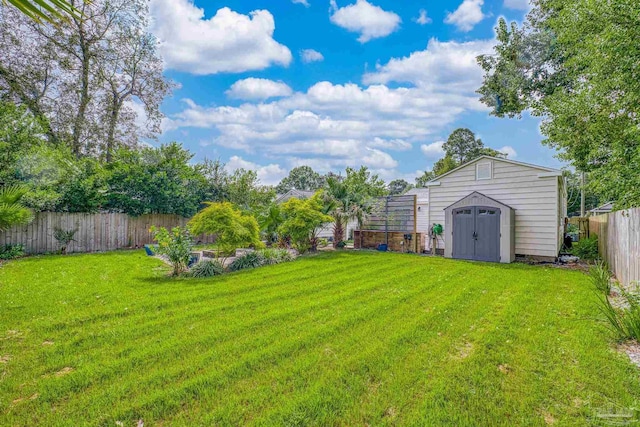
x=422 y=202
x=534 y=199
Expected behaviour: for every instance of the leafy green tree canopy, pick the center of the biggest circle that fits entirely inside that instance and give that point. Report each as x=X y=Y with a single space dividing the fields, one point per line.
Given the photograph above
x=302 y=219
x=232 y=227
x=398 y=186
x=302 y=178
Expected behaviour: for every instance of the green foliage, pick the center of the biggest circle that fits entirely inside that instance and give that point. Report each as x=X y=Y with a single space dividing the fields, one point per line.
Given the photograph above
x=249 y=260
x=462 y=146
x=600 y=277
x=302 y=219
x=12 y=211
x=269 y=221
x=576 y=67
x=586 y=249
x=64 y=237
x=207 y=268
x=623 y=321
x=444 y=165
x=422 y=180
x=276 y=256
x=232 y=227
x=45 y=10
x=154 y=180
x=398 y=186
x=302 y=178
x=175 y=245
x=8 y=252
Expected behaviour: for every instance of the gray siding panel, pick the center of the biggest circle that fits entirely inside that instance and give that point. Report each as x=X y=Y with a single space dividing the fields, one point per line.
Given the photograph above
x=537 y=202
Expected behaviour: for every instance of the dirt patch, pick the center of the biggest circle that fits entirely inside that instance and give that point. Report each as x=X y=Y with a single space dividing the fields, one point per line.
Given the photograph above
x=5 y=358
x=463 y=351
x=13 y=334
x=64 y=371
x=548 y=418
x=632 y=348
x=48 y=343
x=505 y=369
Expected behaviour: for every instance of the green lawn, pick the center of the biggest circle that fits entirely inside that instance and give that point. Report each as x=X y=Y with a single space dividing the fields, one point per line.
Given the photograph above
x=341 y=338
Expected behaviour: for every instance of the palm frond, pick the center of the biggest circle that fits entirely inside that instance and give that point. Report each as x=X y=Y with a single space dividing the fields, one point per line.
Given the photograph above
x=44 y=10
x=11 y=211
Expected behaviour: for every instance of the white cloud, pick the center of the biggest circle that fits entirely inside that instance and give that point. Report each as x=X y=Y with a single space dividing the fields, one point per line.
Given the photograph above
x=517 y=4
x=442 y=66
x=330 y=126
x=433 y=150
x=467 y=15
x=258 y=89
x=310 y=55
x=423 y=18
x=509 y=151
x=270 y=174
x=368 y=20
x=227 y=42
x=302 y=2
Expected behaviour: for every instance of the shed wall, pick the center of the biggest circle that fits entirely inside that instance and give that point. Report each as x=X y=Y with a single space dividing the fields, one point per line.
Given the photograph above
x=534 y=199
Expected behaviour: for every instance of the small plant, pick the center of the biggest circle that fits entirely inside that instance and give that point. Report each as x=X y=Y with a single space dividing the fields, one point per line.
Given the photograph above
x=586 y=249
x=623 y=321
x=175 y=245
x=64 y=238
x=207 y=268
x=341 y=245
x=8 y=252
x=276 y=256
x=601 y=277
x=248 y=260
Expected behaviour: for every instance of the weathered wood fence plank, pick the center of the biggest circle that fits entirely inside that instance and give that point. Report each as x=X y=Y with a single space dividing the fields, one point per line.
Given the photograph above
x=619 y=242
x=95 y=232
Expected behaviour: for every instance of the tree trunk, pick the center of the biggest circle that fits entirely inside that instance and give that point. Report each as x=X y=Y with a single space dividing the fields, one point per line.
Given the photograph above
x=116 y=105
x=84 y=98
x=338 y=232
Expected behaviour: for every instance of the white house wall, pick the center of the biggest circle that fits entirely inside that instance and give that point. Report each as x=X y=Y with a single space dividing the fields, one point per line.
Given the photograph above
x=535 y=200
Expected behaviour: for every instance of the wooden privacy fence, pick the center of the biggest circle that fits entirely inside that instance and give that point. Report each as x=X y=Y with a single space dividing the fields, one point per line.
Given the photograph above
x=619 y=242
x=95 y=232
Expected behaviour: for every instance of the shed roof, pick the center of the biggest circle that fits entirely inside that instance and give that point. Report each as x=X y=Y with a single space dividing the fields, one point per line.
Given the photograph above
x=542 y=168
x=477 y=193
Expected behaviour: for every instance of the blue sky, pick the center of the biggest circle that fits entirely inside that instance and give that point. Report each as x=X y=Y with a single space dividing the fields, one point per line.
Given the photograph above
x=270 y=85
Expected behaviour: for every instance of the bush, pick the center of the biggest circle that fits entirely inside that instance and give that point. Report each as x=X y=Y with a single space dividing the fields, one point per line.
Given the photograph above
x=11 y=251
x=341 y=245
x=601 y=277
x=64 y=238
x=276 y=256
x=207 y=268
x=586 y=249
x=249 y=260
x=176 y=245
x=624 y=321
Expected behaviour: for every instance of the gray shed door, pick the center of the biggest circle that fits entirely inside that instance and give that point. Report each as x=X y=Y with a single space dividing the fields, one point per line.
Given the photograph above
x=476 y=233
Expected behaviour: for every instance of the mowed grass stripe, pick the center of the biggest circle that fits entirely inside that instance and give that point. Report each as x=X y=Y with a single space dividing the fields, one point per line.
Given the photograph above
x=306 y=331
x=335 y=339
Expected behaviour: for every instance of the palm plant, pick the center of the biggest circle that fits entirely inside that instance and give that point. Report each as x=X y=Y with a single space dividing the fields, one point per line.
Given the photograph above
x=12 y=212
x=269 y=222
x=342 y=205
x=44 y=10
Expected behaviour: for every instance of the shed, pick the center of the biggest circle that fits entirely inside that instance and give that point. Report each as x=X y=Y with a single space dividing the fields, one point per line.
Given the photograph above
x=533 y=198
x=483 y=229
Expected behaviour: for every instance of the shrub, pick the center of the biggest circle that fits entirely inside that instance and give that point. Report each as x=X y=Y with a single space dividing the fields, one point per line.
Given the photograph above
x=586 y=249
x=341 y=245
x=276 y=256
x=624 y=322
x=64 y=237
x=248 y=260
x=601 y=277
x=207 y=268
x=11 y=251
x=176 y=245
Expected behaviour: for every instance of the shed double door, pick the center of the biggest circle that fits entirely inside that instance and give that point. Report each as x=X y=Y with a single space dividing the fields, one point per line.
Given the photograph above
x=476 y=233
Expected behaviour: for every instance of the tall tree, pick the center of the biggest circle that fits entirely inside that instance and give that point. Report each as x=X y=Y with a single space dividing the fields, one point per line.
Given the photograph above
x=398 y=186
x=462 y=146
x=302 y=178
x=576 y=67
x=81 y=77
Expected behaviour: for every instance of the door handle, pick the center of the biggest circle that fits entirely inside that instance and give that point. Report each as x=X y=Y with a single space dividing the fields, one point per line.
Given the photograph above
x=475 y=236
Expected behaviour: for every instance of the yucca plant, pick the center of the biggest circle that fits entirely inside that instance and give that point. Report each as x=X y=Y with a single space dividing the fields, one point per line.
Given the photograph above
x=207 y=268
x=624 y=322
x=12 y=212
x=600 y=277
x=248 y=260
